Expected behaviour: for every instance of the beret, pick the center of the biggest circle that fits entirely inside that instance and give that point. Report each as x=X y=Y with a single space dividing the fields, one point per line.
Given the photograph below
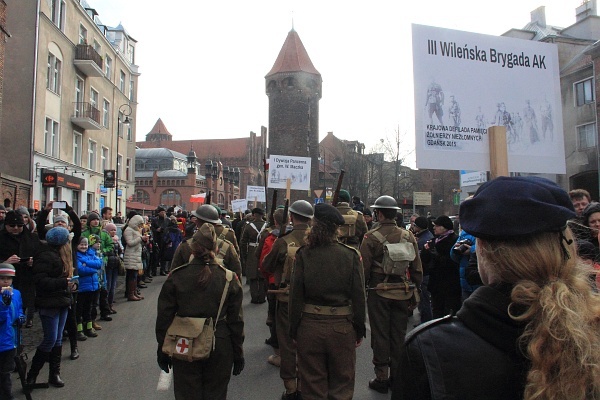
x=422 y=222
x=511 y=207
x=445 y=221
x=206 y=237
x=7 y=269
x=258 y=211
x=57 y=236
x=344 y=196
x=217 y=208
x=367 y=212
x=328 y=213
x=13 y=218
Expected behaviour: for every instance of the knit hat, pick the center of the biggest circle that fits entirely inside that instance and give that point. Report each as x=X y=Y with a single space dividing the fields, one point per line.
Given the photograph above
x=13 y=218
x=511 y=207
x=590 y=209
x=92 y=216
x=23 y=211
x=422 y=222
x=445 y=221
x=328 y=213
x=93 y=239
x=344 y=196
x=61 y=218
x=206 y=237
x=7 y=269
x=2 y=208
x=57 y=236
x=110 y=226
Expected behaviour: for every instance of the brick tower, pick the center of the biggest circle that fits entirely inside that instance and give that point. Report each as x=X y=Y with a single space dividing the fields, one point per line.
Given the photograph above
x=294 y=86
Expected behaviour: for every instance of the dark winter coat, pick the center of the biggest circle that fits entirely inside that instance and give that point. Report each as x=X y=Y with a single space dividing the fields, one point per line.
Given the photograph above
x=171 y=239
x=52 y=290
x=443 y=271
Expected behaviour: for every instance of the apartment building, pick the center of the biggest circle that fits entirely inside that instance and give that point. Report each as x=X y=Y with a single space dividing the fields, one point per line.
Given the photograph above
x=70 y=102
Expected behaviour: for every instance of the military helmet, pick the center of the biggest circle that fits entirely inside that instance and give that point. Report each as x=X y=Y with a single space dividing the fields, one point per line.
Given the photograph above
x=385 y=202
x=207 y=213
x=303 y=208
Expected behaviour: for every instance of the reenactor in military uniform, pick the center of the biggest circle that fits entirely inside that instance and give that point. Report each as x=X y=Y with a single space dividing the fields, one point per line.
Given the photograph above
x=280 y=262
x=225 y=231
x=354 y=227
x=226 y=250
x=327 y=309
x=248 y=245
x=194 y=290
x=389 y=306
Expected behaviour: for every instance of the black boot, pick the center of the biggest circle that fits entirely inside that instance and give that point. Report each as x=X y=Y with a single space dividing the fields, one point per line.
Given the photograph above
x=6 y=386
x=38 y=361
x=54 y=376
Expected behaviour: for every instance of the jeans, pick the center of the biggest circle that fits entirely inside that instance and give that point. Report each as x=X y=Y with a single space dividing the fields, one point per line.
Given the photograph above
x=112 y=275
x=53 y=324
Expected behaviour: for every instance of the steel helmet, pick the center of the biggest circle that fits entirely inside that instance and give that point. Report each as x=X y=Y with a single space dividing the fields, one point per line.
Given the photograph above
x=207 y=213
x=303 y=208
x=385 y=202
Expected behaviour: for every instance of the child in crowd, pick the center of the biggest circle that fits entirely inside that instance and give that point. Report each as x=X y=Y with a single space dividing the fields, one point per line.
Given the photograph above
x=11 y=314
x=114 y=260
x=88 y=265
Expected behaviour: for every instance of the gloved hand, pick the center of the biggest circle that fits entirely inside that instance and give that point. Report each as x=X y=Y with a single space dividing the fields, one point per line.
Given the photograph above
x=238 y=366
x=7 y=297
x=164 y=361
x=22 y=319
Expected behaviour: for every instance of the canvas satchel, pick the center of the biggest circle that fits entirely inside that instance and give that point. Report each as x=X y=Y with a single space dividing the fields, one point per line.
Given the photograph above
x=191 y=339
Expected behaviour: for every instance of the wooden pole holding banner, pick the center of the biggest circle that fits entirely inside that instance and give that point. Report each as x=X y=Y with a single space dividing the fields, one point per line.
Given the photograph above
x=255 y=201
x=288 y=188
x=498 y=151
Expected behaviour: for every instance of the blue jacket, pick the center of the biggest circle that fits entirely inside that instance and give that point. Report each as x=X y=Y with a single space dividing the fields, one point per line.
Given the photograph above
x=88 y=265
x=8 y=316
x=463 y=260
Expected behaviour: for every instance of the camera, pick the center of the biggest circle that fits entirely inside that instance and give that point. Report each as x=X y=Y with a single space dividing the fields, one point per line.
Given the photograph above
x=461 y=245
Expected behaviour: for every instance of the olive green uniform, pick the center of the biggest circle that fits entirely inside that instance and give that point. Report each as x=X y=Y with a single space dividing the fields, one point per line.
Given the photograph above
x=180 y=295
x=231 y=260
x=230 y=236
x=360 y=226
x=327 y=317
x=388 y=317
x=248 y=245
x=274 y=263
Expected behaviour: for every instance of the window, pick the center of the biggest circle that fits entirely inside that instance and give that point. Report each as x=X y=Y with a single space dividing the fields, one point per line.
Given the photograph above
x=79 y=93
x=89 y=198
x=170 y=196
x=104 y=158
x=94 y=98
x=92 y=155
x=97 y=46
x=121 y=118
x=584 y=92
x=108 y=64
x=122 y=82
x=51 y=137
x=53 y=74
x=131 y=53
x=75 y=200
x=128 y=170
x=82 y=34
x=131 y=84
x=586 y=136
x=142 y=196
x=57 y=9
x=105 y=113
x=77 y=137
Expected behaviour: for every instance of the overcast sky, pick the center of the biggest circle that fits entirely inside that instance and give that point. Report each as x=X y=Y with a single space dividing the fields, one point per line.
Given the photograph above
x=203 y=63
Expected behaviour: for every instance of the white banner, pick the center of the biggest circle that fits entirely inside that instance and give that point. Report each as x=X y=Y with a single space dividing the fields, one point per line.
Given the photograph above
x=297 y=169
x=255 y=193
x=470 y=178
x=467 y=82
x=239 y=205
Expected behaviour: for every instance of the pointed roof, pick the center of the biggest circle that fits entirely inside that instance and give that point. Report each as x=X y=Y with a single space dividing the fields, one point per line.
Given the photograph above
x=159 y=129
x=293 y=57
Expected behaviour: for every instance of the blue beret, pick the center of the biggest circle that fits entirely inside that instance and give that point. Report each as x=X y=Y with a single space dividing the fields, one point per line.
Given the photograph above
x=510 y=207
x=328 y=213
x=57 y=236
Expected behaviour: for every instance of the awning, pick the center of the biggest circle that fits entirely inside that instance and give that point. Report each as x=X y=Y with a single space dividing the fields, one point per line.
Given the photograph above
x=136 y=205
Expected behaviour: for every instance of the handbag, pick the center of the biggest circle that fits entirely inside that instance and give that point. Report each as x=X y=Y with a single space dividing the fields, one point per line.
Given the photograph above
x=191 y=339
x=121 y=267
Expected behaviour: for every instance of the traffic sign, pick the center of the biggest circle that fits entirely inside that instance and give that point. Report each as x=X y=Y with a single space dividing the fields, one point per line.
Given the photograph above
x=319 y=200
x=318 y=192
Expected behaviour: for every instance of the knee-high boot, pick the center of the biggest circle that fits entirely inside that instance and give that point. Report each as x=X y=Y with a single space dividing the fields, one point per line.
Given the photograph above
x=38 y=361
x=132 y=286
x=54 y=376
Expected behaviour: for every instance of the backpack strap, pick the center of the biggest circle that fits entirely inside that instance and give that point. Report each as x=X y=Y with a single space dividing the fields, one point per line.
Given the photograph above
x=224 y=232
x=382 y=239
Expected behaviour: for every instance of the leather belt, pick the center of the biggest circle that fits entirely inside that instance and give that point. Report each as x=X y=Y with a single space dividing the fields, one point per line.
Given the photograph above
x=327 y=310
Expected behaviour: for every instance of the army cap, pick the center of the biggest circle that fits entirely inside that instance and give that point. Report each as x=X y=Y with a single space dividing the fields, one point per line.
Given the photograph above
x=328 y=213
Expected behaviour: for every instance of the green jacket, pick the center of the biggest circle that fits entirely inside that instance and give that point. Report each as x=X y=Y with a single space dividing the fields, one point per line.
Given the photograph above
x=106 y=246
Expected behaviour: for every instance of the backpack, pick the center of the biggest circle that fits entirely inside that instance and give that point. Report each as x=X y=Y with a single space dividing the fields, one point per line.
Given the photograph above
x=348 y=230
x=396 y=256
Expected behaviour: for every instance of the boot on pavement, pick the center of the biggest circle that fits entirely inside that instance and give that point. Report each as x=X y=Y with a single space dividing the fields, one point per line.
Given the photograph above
x=378 y=385
x=38 y=361
x=89 y=330
x=96 y=326
x=131 y=289
x=54 y=376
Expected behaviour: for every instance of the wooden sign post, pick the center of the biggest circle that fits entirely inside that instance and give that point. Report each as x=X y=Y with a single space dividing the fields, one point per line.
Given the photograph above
x=288 y=187
x=498 y=151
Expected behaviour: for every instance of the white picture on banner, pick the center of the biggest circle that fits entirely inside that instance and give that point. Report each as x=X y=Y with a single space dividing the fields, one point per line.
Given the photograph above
x=239 y=205
x=467 y=82
x=297 y=169
x=255 y=193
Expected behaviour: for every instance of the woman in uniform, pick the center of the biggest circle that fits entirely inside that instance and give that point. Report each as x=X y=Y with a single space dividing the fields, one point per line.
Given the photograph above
x=533 y=330
x=195 y=290
x=327 y=309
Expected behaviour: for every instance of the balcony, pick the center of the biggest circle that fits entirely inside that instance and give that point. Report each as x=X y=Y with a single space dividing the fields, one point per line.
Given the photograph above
x=86 y=116
x=88 y=60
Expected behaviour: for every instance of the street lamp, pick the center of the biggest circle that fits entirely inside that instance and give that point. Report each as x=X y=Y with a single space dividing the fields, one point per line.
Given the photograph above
x=124 y=109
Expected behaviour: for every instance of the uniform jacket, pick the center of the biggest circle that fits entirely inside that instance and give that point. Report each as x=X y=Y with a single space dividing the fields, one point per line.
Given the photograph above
x=275 y=260
x=9 y=315
x=230 y=235
x=248 y=246
x=51 y=287
x=88 y=265
x=473 y=355
x=443 y=271
x=329 y=275
x=361 y=226
x=372 y=250
x=180 y=295
x=133 y=237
